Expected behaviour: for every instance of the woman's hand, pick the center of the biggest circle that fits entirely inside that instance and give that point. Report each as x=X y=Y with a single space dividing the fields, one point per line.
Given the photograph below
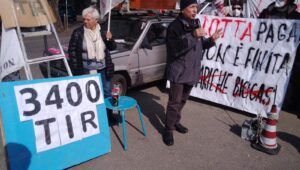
x=108 y=35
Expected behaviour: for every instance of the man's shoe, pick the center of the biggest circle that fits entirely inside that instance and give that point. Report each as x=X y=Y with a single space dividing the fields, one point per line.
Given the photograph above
x=168 y=138
x=181 y=129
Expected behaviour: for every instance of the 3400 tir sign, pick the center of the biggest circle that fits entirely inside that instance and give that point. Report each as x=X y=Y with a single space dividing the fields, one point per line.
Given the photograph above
x=62 y=112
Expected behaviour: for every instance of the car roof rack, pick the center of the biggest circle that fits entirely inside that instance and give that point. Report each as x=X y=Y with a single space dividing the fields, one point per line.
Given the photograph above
x=142 y=14
x=150 y=12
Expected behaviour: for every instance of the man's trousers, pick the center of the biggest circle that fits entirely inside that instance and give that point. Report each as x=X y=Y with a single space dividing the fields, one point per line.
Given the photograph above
x=178 y=96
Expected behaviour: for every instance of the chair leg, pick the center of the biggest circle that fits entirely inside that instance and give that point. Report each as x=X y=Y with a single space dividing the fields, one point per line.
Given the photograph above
x=141 y=119
x=118 y=115
x=124 y=130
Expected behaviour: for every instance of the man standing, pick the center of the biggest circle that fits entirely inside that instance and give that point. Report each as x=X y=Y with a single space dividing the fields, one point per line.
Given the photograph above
x=185 y=43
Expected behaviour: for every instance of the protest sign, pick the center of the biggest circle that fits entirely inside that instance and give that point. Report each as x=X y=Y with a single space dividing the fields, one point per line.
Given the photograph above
x=11 y=56
x=26 y=13
x=107 y=5
x=250 y=65
x=51 y=121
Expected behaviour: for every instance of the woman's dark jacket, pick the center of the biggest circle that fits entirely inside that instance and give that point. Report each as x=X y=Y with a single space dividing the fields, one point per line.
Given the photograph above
x=75 y=53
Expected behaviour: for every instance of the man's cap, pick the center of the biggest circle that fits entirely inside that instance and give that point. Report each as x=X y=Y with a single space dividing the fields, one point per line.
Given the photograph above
x=186 y=3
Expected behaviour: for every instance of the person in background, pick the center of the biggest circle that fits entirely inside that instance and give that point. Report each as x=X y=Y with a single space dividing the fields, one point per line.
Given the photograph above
x=286 y=9
x=281 y=9
x=237 y=9
x=185 y=43
x=89 y=50
x=213 y=7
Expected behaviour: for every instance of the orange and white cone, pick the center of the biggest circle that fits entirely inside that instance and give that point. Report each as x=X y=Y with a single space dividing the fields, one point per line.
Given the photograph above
x=267 y=140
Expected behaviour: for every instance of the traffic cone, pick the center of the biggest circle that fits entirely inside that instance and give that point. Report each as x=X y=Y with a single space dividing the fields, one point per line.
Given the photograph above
x=267 y=140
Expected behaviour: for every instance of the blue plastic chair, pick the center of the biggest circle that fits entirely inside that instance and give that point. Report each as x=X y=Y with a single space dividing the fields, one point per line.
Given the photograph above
x=125 y=103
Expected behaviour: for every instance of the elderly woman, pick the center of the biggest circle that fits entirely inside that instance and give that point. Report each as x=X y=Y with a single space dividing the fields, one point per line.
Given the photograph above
x=89 y=50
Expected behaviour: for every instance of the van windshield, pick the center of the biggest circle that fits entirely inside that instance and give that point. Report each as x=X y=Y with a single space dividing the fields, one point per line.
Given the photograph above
x=126 y=29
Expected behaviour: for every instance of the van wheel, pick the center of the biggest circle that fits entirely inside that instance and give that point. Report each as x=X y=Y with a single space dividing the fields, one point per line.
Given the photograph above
x=119 y=79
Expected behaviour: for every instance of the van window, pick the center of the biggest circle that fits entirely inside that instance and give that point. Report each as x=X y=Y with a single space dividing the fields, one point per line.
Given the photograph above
x=156 y=34
x=129 y=30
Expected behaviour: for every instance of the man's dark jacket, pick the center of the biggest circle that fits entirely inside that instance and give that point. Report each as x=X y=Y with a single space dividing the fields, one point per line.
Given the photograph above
x=184 y=53
x=286 y=12
x=75 y=52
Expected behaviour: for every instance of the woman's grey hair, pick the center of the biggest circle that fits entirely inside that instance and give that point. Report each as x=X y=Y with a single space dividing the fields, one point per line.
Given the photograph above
x=93 y=11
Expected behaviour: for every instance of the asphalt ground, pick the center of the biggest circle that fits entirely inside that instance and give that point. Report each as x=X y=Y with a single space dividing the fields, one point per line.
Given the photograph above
x=213 y=141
